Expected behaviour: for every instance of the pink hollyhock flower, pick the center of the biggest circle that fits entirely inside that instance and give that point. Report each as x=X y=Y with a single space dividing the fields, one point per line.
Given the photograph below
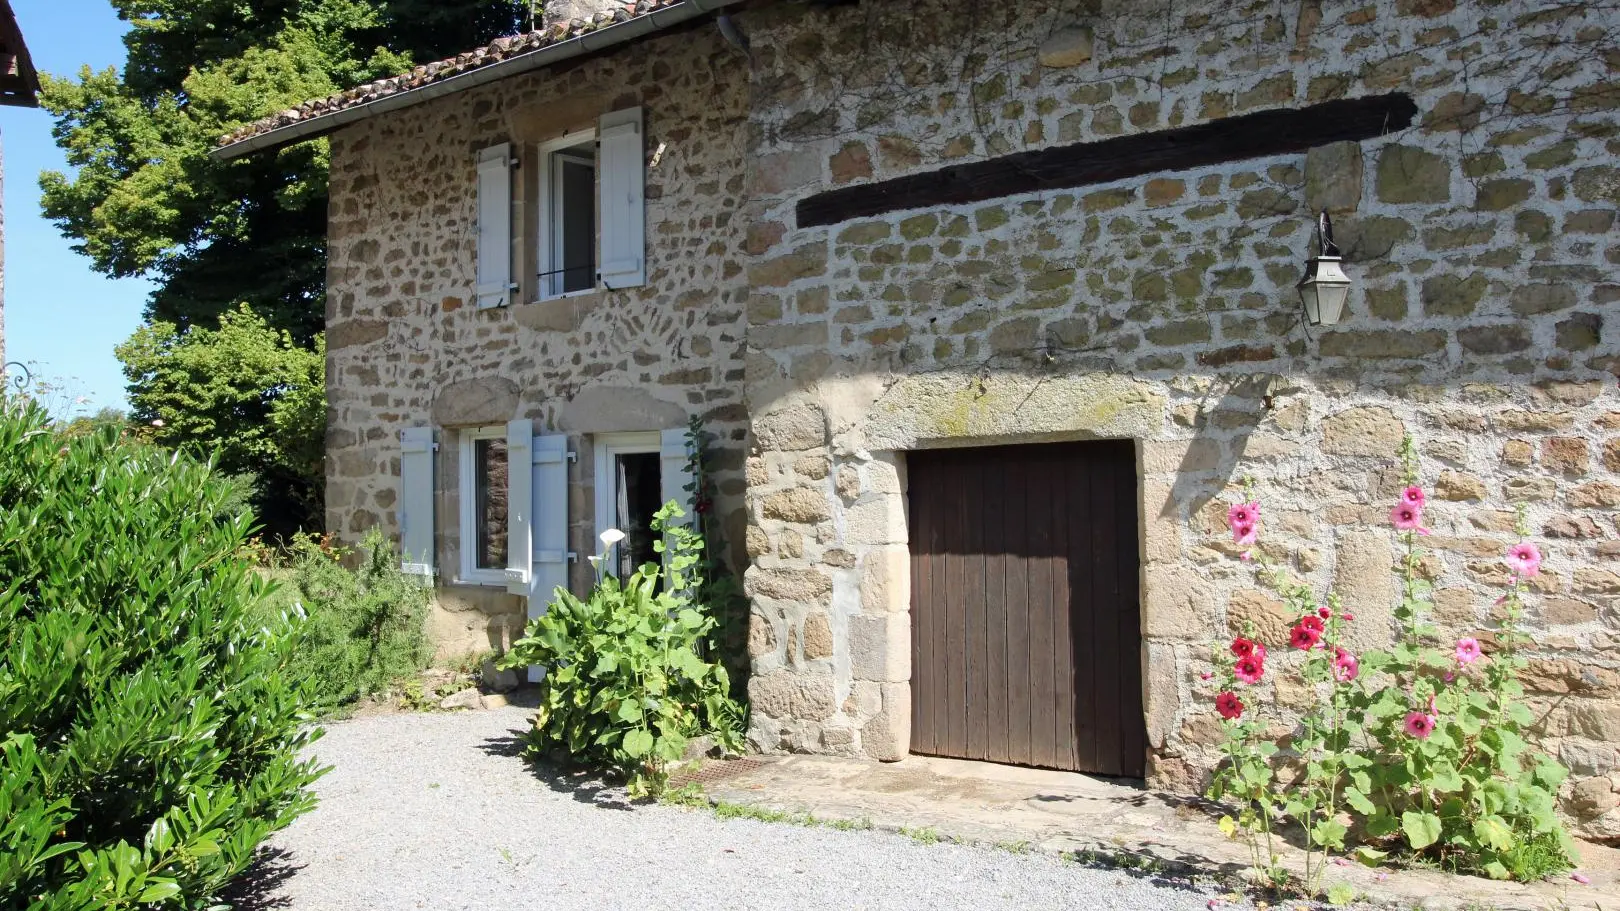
x=1468 y=650
x=1413 y=496
x=1206 y=675
x=1581 y=878
x=1245 y=533
x=1229 y=705
x=1525 y=559
x=1346 y=667
x=1420 y=725
x=1312 y=623
x=1243 y=514
x=1407 y=517
x=1249 y=670
x=1324 y=613
x=1347 y=616
x=1304 y=638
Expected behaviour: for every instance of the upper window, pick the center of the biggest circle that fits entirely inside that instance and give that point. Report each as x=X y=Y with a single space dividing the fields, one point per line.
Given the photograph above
x=568 y=235
x=483 y=492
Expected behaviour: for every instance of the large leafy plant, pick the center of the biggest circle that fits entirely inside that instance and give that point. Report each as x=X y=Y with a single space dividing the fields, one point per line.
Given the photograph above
x=1419 y=750
x=625 y=685
x=150 y=736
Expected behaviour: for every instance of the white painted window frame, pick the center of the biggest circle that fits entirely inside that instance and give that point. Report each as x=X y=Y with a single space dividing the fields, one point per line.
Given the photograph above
x=468 y=439
x=546 y=254
x=608 y=447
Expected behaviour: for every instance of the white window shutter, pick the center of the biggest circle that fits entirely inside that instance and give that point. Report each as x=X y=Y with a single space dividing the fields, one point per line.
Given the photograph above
x=416 y=500
x=550 y=525
x=674 y=475
x=519 y=506
x=622 y=178
x=495 y=226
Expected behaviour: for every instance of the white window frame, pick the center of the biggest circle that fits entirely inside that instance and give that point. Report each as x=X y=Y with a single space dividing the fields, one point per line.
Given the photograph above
x=609 y=446
x=546 y=241
x=471 y=572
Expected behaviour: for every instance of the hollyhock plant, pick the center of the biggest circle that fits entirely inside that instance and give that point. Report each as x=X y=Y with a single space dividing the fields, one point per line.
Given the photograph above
x=1249 y=670
x=1525 y=559
x=1229 y=705
x=1468 y=650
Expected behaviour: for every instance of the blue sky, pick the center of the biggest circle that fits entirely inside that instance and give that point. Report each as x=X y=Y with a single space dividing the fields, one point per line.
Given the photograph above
x=61 y=318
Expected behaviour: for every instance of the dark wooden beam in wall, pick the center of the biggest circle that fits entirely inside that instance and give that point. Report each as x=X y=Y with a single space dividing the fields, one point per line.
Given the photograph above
x=1258 y=135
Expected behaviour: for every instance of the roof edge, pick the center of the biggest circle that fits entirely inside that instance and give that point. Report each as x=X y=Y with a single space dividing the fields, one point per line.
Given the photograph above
x=578 y=46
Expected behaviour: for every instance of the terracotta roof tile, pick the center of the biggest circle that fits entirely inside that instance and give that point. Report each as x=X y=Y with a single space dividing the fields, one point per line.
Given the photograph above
x=428 y=73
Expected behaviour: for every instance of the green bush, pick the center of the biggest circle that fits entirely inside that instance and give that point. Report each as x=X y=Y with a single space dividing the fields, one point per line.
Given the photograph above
x=363 y=627
x=151 y=736
x=625 y=685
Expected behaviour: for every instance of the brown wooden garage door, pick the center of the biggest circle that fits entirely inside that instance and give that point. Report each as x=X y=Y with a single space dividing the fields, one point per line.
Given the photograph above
x=1026 y=637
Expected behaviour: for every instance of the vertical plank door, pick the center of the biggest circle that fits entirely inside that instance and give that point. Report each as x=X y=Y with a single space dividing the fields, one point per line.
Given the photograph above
x=1026 y=637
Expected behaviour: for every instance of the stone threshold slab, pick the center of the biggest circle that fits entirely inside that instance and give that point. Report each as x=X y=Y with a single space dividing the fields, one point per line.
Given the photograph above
x=1115 y=822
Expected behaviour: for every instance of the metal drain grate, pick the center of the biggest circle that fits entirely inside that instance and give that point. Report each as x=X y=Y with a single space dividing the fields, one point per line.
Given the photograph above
x=713 y=770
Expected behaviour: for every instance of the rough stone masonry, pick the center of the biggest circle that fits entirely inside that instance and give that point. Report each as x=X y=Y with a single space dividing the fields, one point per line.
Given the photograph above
x=1162 y=310
x=1159 y=309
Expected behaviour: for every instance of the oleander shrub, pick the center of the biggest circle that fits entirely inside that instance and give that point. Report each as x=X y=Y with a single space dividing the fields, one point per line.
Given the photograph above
x=149 y=734
x=364 y=627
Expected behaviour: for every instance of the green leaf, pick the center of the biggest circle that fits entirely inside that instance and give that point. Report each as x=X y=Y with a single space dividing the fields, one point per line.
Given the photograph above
x=158 y=891
x=1358 y=801
x=606 y=663
x=638 y=743
x=1369 y=856
x=1341 y=893
x=1421 y=829
x=1494 y=832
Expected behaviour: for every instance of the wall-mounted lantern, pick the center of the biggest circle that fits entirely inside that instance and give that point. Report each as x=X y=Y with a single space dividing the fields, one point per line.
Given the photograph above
x=1325 y=287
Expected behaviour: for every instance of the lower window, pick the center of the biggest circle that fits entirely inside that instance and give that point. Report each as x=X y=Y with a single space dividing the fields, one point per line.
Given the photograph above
x=629 y=492
x=483 y=492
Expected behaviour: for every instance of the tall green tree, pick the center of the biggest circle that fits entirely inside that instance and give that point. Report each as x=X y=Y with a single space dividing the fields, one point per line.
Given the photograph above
x=145 y=199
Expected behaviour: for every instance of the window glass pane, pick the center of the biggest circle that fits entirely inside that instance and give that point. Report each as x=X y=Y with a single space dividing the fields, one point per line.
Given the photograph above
x=574 y=218
x=489 y=503
x=638 y=492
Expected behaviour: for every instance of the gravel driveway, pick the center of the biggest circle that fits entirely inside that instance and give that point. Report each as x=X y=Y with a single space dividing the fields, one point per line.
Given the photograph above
x=437 y=812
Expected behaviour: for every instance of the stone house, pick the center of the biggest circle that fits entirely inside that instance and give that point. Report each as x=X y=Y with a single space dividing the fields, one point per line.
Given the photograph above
x=991 y=309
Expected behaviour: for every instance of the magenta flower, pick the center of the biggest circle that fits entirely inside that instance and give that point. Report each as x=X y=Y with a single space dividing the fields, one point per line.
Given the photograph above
x=1346 y=667
x=1407 y=517
x=1243 y=647
x=1229 y=705
x=1249 y=670
x=1324 y=613
x=1468 y=650
x=1420 y=725
x=1313 y=623
x=1304 y=638
x=1413 y=496
x=1525 y=559
x=1244 y=520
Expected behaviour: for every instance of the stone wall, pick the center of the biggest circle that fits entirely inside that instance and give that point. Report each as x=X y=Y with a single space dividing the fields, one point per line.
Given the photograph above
x=407 y=347
x=1162 y=310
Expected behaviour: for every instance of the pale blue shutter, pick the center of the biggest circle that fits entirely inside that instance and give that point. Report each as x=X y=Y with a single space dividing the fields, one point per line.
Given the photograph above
x=416 y=500
x=495 y=226
x=549 y=525
x=519 y=506
x=621 y=177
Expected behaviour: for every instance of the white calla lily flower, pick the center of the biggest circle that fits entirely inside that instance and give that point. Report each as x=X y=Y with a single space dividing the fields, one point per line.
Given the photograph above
x=611 y=537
